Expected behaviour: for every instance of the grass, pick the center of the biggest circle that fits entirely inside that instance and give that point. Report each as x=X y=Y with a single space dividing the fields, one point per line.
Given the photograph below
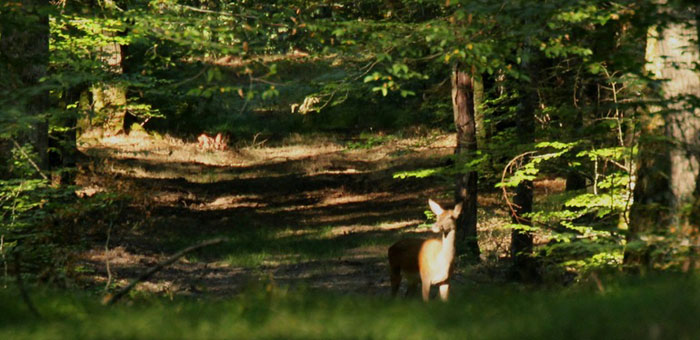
x=251 y=247
x=652 y=308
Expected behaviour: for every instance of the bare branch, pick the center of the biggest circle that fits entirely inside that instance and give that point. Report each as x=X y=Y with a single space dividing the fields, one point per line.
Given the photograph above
x=512 y=206
x=29 y=159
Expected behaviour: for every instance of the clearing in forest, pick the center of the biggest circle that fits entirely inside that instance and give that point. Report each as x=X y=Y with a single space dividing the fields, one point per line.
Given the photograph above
x=316 y=212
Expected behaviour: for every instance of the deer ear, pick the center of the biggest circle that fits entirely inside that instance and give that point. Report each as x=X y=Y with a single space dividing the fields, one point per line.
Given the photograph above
x=457 y=210
x=436 y=208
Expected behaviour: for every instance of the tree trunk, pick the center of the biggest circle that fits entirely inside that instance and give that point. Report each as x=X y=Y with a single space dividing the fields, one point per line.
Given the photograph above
x=63 y=140
x=521 y=241
x=466 y=183
x=109 y=98
x=668 y=168
x=479 y=119
x=27 y=50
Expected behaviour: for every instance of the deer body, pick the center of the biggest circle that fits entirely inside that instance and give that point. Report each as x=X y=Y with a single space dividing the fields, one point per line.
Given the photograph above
x=426 y=260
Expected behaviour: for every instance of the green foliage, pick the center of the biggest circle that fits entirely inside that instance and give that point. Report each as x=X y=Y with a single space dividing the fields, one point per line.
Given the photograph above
x=368 y=141
x=583 y=227
x=46 y=224
x=422 y=173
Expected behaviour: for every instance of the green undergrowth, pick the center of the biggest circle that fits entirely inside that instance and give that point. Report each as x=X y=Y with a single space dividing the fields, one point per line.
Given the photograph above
x=657 y=308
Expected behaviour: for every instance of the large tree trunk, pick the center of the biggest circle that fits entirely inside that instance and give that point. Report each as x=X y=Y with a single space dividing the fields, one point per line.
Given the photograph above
x=668 y=168
x=466 y=186
x=109 y=98
x=27 y=51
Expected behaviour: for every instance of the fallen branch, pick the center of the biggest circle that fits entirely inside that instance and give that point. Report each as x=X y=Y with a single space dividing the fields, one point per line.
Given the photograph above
x=111 y=299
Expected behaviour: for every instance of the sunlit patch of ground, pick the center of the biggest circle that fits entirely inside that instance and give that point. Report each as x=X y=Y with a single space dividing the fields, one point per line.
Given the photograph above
x=304 y=211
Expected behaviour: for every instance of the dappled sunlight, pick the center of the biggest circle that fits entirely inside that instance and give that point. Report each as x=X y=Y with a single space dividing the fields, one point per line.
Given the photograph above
x=403 y=225
x=342 y=198
x=304 y=212
x=232 y=202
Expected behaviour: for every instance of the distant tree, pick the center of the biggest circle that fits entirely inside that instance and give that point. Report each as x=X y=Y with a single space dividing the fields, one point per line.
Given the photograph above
x=109 y=96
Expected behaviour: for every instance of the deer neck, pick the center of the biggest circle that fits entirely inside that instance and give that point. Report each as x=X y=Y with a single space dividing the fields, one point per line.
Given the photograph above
x=448 y=246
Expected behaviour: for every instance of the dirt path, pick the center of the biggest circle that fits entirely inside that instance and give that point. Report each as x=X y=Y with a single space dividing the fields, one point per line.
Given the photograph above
x=306 y=212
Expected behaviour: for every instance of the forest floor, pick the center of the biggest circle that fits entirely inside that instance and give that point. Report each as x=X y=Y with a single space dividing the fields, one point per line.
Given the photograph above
x=310 y=211
x=309 y=221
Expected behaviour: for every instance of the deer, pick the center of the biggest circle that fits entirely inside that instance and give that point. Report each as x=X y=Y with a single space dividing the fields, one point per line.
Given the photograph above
x=428 y=260
x=216 y=143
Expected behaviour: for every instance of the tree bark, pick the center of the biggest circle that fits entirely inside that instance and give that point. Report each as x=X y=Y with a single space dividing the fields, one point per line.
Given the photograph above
x=669 y=156
x=479 y=119
x=466 y=183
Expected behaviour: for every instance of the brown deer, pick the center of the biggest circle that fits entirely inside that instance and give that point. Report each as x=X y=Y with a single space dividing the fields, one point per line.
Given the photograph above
x=428 y=260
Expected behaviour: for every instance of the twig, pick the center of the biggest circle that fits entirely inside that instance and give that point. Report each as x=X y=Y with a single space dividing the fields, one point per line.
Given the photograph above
x=595 y=176
x=4 y=260
x=207 y=11
x=327 y=102
x=245 y=100
x=145 y=121
x=510 y=204
x=200 y=10
x=28 y=158
x=255 y=138
x=265 y=81
x=598 y=283
x=109 y=270
x=118 y=295
x=201 y=72
x=20 y=286
x=369 y=68
x=109 y=236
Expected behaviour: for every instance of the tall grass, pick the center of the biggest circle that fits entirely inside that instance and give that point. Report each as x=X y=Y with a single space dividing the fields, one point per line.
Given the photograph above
x=661 y=308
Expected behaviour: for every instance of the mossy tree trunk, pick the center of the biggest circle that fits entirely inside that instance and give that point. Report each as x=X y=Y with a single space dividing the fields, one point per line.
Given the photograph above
x=109 y=97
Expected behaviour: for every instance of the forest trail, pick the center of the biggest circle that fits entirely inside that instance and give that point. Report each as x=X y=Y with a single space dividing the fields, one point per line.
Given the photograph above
x=309 y=212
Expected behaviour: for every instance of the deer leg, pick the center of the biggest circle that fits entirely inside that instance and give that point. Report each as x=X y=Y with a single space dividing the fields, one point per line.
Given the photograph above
x=444 y=291
x=426 y=290
x=412 y=288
